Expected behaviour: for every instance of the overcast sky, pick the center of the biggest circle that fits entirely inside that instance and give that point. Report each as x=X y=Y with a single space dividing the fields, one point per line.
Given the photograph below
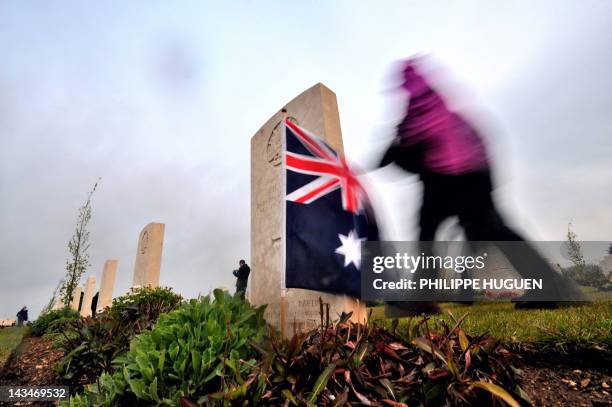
x=160 y=99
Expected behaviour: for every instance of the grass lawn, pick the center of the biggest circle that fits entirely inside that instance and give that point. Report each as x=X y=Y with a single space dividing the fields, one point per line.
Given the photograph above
x=564 y=329
x=9 y=339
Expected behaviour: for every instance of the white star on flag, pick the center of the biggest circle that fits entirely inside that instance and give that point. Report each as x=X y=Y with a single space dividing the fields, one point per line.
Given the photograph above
x=351 y=248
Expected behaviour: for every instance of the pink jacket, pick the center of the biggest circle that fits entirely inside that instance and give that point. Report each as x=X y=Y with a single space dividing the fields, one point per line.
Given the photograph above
x=447 y=143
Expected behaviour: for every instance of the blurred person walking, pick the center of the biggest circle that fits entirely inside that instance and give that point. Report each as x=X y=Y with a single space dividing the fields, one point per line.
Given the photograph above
x=451 y=159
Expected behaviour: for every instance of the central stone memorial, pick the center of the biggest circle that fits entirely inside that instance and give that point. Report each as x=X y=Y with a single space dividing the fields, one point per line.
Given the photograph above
x=316 y=110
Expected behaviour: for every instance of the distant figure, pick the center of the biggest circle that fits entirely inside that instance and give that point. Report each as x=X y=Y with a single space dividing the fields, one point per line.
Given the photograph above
x=22 y=316
x=94 y=304
x=242 y=277
x=81 y=301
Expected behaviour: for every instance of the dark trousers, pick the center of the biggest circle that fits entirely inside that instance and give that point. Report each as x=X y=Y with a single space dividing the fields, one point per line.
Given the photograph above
x=469 y=197
x=241 y=286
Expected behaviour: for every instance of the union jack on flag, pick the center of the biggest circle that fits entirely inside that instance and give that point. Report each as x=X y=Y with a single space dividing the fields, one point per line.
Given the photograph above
x=331 y=169
x=327 y=216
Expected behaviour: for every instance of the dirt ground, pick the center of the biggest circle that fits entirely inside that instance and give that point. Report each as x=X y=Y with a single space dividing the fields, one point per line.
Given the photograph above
x=31 y=363
x=550 y=381
x=563 y=386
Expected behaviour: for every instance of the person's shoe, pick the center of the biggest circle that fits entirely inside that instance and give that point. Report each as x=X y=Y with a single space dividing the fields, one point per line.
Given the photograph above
x=398 y=309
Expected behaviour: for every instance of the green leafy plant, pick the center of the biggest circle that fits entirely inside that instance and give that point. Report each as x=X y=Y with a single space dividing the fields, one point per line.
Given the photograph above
x=147 y=302
x=199 y=353
x=203 y=354
x=91 y=344
x=53 y=321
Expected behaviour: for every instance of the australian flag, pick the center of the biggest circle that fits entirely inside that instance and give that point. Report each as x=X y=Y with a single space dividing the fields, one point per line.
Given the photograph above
x=327 y=216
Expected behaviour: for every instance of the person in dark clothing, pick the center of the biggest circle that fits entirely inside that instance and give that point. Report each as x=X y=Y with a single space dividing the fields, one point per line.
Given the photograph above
x=451 y=160
x=242 y=277
x=81 y=301
x=22 y=316
x=94 y=304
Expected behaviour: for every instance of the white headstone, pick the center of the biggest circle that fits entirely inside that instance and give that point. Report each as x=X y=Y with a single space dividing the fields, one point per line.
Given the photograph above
x=317 y=111
x=105 y=297
x=148 y=256
x=90 y=286
x=76 y=298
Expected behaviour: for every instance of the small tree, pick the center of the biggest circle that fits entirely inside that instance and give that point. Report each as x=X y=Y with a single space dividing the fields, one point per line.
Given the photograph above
x=53 y=299
x=574 y=250
x=77 y=263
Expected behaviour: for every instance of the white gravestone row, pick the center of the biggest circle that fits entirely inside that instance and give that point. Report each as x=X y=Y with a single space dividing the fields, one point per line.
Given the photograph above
x=146 y=273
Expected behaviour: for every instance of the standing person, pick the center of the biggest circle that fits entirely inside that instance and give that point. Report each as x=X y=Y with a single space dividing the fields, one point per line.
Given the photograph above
x=451 y=159
x=94 y=304
x=242 y=277
x=22 y=316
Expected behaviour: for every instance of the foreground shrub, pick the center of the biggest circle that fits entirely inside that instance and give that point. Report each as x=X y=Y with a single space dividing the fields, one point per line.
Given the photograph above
x=91 y=344
x=202 y=355
x=146 y=303
x=590 y=275
x=198 y=353
x=370 y=365
x=53 y=321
